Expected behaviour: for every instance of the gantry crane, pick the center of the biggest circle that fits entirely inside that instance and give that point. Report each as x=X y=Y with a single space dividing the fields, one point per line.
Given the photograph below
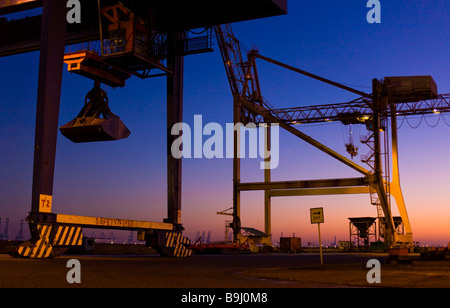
x=136 y=37
x=372 y=109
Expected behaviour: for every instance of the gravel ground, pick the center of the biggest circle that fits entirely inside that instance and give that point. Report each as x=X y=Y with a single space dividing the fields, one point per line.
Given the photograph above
x=301 y=270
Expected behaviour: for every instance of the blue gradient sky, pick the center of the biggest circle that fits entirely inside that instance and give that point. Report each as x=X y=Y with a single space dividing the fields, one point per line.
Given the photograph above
x=127 y=178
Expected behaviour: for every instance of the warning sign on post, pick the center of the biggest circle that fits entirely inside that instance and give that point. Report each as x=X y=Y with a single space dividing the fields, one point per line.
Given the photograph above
x=317 y=218
x=317 y=215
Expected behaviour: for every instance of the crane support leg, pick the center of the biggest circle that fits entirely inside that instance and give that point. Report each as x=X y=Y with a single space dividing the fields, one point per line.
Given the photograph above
x=47 y=114
x=267 y=196
x=378 y=183
x=174 y=116
x=396 y=190
x=48 y=98
x=169 y=243
x=51 y=238
x=236 y=226
x=172 y=243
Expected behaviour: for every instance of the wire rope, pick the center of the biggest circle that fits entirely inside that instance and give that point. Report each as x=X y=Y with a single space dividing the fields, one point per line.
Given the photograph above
x=412 y=126
x=437 y=122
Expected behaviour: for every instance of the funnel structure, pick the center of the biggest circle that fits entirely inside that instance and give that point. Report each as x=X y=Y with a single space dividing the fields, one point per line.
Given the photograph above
x=398 y=225
x=362 y=231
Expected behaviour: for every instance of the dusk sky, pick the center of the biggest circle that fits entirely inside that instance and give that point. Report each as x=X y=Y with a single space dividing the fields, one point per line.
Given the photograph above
x=127 y=178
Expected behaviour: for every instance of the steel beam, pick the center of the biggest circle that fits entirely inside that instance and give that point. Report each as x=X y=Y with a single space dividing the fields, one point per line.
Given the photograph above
x=294 y=69
x=20 y=36
x=319 y=191
x=48 y=98
x=302 y=184
x=13 y=6
x=111 y=223
x=23 y=35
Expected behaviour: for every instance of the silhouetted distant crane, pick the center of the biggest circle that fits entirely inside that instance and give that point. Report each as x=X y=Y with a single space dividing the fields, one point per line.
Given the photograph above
x=5 y=236
x=130 y=237
x=19 y=236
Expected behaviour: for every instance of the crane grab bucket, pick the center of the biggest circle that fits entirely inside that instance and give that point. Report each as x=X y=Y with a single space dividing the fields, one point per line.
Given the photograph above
x=91 y=129
x=88 y=126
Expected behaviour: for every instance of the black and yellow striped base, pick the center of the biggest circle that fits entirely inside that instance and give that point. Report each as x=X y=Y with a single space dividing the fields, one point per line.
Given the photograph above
x=172 y=244
x=50 y=237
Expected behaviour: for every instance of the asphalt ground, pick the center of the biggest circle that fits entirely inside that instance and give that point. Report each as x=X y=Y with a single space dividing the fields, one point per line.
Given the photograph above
x=303 y=270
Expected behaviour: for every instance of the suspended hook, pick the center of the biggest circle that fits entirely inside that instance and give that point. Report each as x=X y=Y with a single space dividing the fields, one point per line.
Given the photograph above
x=350 y=146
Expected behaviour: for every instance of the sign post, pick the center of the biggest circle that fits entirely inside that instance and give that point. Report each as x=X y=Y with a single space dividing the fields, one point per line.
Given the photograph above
x=317 y=218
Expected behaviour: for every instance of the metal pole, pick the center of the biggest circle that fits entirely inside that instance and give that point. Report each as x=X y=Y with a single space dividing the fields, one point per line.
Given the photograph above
x=48 y=98
x=100 y=26
x=320 y=245
x=294 y=69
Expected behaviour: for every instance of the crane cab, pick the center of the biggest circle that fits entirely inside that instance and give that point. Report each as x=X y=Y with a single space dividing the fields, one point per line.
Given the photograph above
x=130 y=44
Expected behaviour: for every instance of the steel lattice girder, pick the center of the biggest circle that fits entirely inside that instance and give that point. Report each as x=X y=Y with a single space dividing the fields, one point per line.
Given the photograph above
x=357 y=111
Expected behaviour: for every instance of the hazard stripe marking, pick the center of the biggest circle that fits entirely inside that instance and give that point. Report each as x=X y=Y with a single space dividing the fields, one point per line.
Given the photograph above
x=77 y=239
x=43 y=247
x=177 y=242
x=68 y=236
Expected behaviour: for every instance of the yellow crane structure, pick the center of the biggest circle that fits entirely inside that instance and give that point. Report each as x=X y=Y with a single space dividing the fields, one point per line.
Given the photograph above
x=390 y=98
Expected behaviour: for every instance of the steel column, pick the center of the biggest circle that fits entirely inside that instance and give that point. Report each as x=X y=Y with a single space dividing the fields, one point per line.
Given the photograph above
x=48 y=98
x=379 y=107
x=236 y=170
x=267 y=179
x=395 y=187
x=175 y=63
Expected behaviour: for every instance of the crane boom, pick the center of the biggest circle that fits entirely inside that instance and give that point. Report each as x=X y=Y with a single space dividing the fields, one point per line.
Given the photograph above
x=243 y=78
x=357 y=111
x=244 y=82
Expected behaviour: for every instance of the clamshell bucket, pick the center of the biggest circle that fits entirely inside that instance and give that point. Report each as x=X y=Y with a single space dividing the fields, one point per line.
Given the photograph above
x=92 y=129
